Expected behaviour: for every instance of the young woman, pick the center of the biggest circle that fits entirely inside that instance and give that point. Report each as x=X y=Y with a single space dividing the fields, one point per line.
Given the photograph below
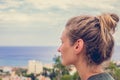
x=87 y=43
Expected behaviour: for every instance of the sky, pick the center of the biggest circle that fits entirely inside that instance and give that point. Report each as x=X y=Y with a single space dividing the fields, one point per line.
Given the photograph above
x=40 y=22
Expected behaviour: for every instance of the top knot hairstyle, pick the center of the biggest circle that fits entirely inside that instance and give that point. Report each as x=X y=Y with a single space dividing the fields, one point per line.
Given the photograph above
x=96 y=32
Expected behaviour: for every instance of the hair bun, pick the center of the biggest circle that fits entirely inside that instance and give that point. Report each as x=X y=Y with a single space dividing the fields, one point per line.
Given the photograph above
x=108 y=21
x=115 y=17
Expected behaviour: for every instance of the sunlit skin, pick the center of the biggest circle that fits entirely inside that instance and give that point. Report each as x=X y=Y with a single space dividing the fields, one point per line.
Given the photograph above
x=67 y=50
x=73 y=55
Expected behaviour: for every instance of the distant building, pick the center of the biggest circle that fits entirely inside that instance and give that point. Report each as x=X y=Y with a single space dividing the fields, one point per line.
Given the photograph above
x=35 y=67
x=49 y=66
x=118 y=63
x=14 y=76
x=7 y=69
x=43 y=78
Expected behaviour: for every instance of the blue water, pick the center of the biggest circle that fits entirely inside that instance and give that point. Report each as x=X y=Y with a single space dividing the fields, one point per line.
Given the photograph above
x=19 y=56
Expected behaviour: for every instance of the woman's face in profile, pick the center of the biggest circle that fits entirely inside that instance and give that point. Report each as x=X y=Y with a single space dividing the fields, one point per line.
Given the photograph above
x=66 y=49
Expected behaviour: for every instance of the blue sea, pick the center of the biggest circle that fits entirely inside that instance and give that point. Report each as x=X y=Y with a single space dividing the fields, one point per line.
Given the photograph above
x=19 y=56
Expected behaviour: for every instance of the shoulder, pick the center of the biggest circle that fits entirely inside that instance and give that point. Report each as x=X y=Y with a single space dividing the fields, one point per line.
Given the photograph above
x=101 y=76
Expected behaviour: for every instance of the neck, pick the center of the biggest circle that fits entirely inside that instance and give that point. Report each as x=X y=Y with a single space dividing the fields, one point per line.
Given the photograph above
x=85 y=71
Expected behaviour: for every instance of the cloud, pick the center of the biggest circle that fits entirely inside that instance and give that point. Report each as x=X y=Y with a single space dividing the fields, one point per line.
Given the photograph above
x=15 y=17
x=15 y=10
x=116 y=35
x=67 y=4
x=62 y=4
x=42 y=4
x=40 y=37
x=45 y=19
x=10 y=4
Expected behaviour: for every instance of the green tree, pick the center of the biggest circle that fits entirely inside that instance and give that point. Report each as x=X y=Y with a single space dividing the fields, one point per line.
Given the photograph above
x=21 y=71
x=32 y=76
x=76 y=76
x=114 y=70
x=59 y=69
x=45 y=71
x=66 y=77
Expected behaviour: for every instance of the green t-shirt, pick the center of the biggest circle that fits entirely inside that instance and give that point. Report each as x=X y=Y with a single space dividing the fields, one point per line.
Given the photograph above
x=101 y=76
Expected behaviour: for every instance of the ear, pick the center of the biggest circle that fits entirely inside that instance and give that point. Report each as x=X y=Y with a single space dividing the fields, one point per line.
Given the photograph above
x=78 y=46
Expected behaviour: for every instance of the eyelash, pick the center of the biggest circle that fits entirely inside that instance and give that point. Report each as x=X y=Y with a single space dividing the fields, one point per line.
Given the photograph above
x=62 y=42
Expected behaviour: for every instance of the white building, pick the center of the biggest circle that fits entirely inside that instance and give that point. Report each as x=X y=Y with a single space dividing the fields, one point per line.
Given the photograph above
x=49 y=66
x=7 y=69
x=35 y=67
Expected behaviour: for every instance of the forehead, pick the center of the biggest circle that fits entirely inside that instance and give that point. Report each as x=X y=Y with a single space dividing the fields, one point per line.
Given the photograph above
x=64 y=34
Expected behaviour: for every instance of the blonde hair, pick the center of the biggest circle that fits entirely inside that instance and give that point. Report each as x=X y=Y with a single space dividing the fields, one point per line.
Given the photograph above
x=96 y=32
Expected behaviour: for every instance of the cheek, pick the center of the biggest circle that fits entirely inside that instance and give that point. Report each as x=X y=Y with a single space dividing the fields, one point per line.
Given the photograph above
x=63 y=49
x=69 y=58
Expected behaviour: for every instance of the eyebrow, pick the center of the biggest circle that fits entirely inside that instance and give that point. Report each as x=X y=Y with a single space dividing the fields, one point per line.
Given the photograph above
x=60 y=38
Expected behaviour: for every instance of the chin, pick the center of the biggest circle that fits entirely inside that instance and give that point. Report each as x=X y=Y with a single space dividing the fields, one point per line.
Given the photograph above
x=65 y=63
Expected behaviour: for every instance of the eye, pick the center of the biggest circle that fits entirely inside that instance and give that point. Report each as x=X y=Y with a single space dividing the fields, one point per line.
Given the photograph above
x=62 y=42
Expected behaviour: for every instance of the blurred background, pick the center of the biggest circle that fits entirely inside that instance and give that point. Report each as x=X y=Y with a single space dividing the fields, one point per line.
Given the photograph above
x=31 y=29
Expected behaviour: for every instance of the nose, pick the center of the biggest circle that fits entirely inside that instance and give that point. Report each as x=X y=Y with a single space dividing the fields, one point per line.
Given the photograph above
x=58 y=49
